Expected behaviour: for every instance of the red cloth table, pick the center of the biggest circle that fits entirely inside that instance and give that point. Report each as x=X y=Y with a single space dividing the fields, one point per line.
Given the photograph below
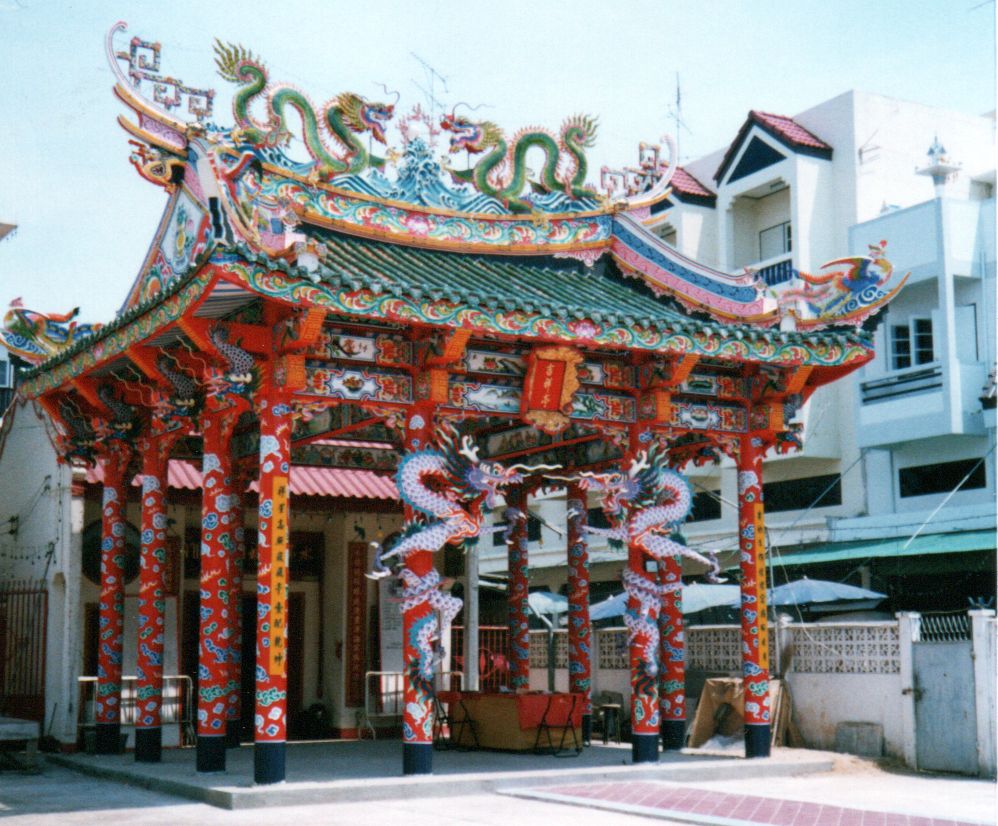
x=509 y=721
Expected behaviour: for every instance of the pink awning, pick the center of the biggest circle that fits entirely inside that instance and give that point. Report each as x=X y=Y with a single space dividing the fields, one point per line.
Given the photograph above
x=183 y=474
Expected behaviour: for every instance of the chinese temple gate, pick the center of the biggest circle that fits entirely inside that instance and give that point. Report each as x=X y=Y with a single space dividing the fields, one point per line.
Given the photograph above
x=495 y=332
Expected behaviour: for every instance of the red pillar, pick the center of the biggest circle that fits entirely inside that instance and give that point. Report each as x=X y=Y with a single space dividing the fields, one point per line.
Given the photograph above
x=418 y=620
x=641 y=620
x=234 y=710
x=579 y=629
x=755 y=630
x=152 y=604
x=114 y=464
x=216 y=581
x=519 y=589
x=270 y=718
x=672 y=671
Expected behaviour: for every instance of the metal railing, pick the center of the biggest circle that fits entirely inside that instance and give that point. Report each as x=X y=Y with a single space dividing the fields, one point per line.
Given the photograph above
x=176 y=706
x=778 y=272
x=902 y=384
x=384 y=697
x=948 y=627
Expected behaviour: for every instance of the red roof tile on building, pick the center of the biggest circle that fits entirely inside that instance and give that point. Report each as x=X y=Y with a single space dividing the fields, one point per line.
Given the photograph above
x=793 y=132
x=784 y=129
x=683 y=183
x=345 y=483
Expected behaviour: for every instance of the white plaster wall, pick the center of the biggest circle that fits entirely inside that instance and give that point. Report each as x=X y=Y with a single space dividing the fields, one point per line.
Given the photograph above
x=822 y=701
x=36 y=488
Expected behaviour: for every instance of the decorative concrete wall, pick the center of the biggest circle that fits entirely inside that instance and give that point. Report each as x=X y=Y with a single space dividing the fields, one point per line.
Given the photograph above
x=837 y=673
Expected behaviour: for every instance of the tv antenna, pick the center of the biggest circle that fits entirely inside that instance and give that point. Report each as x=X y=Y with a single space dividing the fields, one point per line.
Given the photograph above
x=676 y=116
x=431 y=78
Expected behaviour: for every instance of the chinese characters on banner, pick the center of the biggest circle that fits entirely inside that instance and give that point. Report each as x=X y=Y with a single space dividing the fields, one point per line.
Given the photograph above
x=279 y=576
x=549 y=387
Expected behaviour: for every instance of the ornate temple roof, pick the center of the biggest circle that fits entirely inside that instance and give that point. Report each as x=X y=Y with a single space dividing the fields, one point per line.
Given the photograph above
x=491 y=246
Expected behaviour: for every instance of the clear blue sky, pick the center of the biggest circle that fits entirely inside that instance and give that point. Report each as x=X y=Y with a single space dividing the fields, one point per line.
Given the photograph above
x=85 y=217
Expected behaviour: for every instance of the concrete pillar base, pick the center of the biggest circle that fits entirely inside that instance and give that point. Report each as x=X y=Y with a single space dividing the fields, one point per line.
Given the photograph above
x=417 y=758
x=109 y=738
x=149 y=745
x=673 y=734
x=211 y=753
x=757 y=740
x=269 y=763
x=644 y=748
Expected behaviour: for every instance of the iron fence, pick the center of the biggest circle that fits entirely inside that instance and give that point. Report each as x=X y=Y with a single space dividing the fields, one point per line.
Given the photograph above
x=23 y=616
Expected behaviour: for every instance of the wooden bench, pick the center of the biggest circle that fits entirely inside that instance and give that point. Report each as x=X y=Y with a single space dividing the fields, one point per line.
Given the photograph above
x=14 y=730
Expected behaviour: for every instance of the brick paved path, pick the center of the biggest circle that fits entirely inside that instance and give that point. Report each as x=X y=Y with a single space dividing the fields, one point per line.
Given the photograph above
x=705 y=806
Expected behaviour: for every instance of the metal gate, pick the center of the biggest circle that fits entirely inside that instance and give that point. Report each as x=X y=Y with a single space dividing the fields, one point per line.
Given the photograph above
x=23 y=613
x=945 y=716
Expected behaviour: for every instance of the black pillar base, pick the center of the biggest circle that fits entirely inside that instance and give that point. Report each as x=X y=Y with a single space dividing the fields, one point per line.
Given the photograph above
x=108 y=738
x=148 y=745
x=644 y=748
x=757 y=739
x=417 y=758
x=268 y=763
x=673 y=734
x=233 y=737
x=211 y=753
x=587 y=729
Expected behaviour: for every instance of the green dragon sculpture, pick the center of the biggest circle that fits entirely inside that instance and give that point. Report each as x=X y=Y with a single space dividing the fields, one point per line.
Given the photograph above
x=502 y=172
x=344 y=118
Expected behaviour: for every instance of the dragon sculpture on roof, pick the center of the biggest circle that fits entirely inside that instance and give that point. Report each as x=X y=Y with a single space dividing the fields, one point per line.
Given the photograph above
x=502 y=172
x=343 y=119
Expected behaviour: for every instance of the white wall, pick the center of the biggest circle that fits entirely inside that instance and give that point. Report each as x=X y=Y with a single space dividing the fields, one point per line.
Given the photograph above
x=822 y=701
x=35 y=488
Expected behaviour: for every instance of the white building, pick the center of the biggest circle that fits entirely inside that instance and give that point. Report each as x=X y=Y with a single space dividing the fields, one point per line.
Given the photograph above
x=884 y=448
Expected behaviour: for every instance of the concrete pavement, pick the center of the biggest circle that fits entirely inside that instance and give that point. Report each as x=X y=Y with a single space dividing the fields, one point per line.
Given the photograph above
x=60 y=796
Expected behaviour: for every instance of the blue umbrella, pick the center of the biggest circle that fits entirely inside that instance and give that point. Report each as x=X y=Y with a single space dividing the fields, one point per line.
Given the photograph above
x=546 y=602
x=805 y=591
x=696 y=597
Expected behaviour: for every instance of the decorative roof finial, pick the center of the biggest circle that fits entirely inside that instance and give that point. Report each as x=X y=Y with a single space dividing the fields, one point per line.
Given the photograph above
x=940 y=169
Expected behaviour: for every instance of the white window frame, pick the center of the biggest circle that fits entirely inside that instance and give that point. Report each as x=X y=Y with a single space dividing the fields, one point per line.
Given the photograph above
x=785 y=237
x=916 y=356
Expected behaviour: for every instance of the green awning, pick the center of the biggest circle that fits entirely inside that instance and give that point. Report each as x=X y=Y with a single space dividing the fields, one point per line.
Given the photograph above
x=935 y=543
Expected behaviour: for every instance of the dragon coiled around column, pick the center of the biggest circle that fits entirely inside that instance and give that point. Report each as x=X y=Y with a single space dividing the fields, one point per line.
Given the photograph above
x=452 y=488
x=502 y=172
x=645 y=506
x=343 y=119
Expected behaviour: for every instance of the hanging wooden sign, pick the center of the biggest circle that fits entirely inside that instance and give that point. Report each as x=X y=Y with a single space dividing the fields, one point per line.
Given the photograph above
x=549 y=388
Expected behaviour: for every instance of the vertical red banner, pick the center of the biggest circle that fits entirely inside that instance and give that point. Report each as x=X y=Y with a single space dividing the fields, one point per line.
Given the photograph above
x=356 y=624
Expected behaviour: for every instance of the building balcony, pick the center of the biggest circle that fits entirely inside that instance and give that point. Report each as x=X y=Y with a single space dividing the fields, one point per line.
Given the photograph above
x=922 y=402
x=924 y=379
x=776 y=270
